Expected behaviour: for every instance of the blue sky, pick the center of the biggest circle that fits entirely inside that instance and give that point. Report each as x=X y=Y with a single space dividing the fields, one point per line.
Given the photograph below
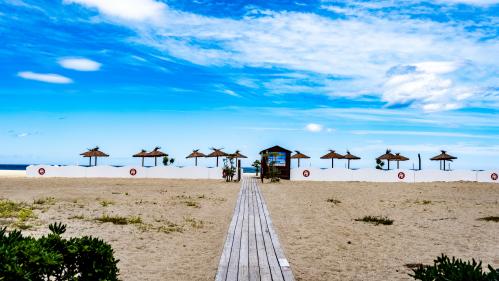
x=413 y=76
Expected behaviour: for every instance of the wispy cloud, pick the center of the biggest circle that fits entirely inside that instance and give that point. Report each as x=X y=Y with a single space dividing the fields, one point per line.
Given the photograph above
x=314 y=128
x=80 y=64
x=231 y=93
x=45 y=77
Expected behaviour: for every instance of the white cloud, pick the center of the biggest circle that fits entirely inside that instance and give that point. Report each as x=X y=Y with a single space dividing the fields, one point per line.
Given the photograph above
x=314 y=128
x=80 y=64
x=45 y=77
x=134 y=10
x=358 y=49
x=231 y=93
x=472 y=2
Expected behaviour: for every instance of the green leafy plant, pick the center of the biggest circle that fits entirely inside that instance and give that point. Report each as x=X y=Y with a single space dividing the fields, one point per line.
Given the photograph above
x=229 y=169
x=273 y=171
x=376 y=220
x=379 y=164
x=167 y=161
x=51 y=257
x=446 y=269
x=257 y=165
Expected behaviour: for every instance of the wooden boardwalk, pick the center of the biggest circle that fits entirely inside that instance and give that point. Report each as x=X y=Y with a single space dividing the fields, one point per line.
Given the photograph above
x=252 y=250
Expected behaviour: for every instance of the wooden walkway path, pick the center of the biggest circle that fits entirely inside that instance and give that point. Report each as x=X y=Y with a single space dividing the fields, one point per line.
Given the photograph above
x=252 y=250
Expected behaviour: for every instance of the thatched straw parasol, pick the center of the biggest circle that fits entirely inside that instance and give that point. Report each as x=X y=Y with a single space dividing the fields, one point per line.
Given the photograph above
x=349 y=157
x=156 y=153
x=195 y=154
x=399 y=158
x=299 y=156
x=443 y=157
x=332 y=155
x=388 y=156
x=142 y=154
x=217 y=152
x=237 y=154
x=93 y=152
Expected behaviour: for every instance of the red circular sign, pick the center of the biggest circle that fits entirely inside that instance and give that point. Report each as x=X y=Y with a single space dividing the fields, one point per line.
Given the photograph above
x=306 y=173
x=493 y=176
x=41 y=171
x=401 y=175
x=133 y=172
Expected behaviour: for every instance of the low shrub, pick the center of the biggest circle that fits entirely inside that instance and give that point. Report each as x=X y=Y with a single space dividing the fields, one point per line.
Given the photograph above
x=333 y=200
x=490 y=218
x=54 y=258
x=446 y=269
x=112 y=219
x=376 y=220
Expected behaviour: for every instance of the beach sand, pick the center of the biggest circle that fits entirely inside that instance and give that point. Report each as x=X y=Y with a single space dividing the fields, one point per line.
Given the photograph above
x=322 y=240
x=200 y=209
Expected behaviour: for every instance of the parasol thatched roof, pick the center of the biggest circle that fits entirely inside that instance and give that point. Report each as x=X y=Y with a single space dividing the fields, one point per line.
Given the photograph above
x=332 y=155
x=443 y=156
x=195 y=153
x=387 y=156
x=156 y=153
x=217 y=152
x=94 y=152
x=237 y=154
x=350 y=156
x=299 y=155
x=142 y=153
x=399 y=157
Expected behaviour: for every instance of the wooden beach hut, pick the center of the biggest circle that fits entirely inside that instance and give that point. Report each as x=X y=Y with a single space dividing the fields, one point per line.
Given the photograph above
x=281 y=159
x=142 y=154
x=217 y=152
x=155 y=154
x=332 y=155
x=442 y=157
x=93 y=152
x=388 y=156
x=349 y=157
x=398 y=158
x=298 y=155
x=196 y=154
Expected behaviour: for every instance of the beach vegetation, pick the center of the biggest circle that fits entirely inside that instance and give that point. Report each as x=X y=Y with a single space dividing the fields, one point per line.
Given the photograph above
x=170 y=227
x=51 y=257
x=77 y=217
x=490 y=218
x=105 y=203
x=167 y=161
x=446 y=269
x=376 y=220
x=44 y=201
x=273 y=171
x=229 y=169
x=333 y=200
x=194 y=223
x=257 y=165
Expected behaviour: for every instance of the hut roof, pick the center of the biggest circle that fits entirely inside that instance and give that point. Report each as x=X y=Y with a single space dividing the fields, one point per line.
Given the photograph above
x=387 y=156
x=94 y=152
x=142 y=153
x=299 y=155
x=332 y=155
x=274 y=148
x=195 y=153
x=217 y=152
x=350 y=156
x=238 y=154
x=443 y=156
x=399 y=157
x=156 y=153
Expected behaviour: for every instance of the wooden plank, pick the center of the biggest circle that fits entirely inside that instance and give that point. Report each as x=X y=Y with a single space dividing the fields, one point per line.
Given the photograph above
x=233 y=267
x=243 y=274
x=283 y=262
x=263 y=261
x=275 y=269
x=254 y=268
x=226 y=251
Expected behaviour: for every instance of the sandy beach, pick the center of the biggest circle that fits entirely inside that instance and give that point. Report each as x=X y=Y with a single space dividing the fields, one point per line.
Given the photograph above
x=323 y=241
x=182 y=225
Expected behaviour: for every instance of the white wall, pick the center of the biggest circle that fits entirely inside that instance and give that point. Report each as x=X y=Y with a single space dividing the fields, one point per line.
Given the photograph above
x=124 y=172
x=374 y=175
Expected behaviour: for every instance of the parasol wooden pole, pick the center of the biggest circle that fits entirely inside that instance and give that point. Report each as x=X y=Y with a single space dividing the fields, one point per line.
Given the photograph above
x=95 y=163
x=217 y=161
x=398 y=166
x=332 y=162
x=196 y=160
x=298 y=162
x=142 y=161
x=90 y=161
x=155 y=161
x=349 y=164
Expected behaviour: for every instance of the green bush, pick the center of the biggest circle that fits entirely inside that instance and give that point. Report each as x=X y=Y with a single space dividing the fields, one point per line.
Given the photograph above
x=445 y=269
x=54 y=258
